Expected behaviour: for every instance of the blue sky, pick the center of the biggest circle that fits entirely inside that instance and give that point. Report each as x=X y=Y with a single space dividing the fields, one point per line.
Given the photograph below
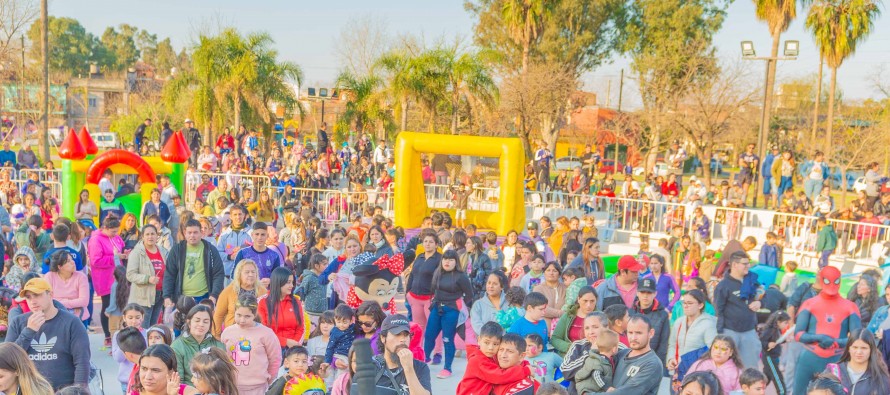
x=306 y=32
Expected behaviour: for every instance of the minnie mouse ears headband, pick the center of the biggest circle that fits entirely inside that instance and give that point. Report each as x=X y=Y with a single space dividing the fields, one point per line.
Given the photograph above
x=395 y=264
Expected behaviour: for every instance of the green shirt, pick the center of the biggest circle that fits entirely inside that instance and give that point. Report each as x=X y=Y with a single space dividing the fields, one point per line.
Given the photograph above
x=194 y=281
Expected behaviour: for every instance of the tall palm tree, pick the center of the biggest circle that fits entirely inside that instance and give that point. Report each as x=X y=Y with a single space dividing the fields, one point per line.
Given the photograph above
x=430 y=83
x=198 y=84
x=778 y=15
x=469 y=78
x=366 y=105
x=525 y=19
x=400 y=66
x=838 y=27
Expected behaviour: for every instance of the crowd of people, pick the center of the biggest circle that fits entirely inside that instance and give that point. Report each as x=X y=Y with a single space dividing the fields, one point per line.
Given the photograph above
x=235 y=294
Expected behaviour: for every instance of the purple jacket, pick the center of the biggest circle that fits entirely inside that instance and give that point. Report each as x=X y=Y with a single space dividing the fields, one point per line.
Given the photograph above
x=663 y=287
x=373 y=340
x=101 y=250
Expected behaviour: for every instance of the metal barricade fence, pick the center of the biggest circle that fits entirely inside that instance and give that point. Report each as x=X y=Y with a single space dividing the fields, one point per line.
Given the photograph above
x=244 y=183
x=54 y=175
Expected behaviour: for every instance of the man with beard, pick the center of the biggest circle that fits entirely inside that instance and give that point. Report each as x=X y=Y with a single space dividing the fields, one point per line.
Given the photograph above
x=638 y=370
x=397 y=372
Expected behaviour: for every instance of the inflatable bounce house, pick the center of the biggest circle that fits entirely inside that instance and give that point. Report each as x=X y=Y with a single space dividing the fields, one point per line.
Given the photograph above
x=82 y=169
x=411 y=205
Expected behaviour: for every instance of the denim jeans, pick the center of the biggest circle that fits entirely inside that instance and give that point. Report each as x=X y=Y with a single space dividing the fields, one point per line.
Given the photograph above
x=444 y=321
x=786 y=183
x=812 y=188
x=823 y=258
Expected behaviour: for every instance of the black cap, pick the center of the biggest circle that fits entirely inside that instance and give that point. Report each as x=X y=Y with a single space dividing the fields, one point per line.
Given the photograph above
x=532 y=225
x=646 y=285
x=396 y=324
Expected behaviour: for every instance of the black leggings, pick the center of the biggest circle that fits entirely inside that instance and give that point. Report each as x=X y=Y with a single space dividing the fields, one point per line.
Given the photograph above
x=106 y=300
x=773 y=374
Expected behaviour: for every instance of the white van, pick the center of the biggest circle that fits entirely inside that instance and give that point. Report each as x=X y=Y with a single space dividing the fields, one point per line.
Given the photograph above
x=105 y=140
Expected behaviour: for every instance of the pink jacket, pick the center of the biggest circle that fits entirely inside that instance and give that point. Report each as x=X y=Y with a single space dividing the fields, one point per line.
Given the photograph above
x=341 y=385
x=74 y=294
x=101 y=250
x=728 y=373
x=255 y=352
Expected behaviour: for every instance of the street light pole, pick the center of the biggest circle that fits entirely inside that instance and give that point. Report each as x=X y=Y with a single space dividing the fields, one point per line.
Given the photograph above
x=44 y=38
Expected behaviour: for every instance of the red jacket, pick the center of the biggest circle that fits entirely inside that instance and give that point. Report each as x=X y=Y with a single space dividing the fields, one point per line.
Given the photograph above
x=285 y=326
x=670 y=189
x=225 y=138
x=483 y=374
x=524 y=386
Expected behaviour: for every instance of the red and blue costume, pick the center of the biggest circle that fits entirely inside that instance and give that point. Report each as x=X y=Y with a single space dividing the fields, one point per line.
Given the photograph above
x=823 y=326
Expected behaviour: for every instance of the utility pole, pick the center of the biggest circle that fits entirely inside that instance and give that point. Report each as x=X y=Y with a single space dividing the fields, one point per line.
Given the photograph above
x=22 y=90
x=44 y=36
x=620 y=97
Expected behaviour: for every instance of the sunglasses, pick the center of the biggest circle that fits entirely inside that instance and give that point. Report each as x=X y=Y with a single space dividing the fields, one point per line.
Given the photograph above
x=367 y=324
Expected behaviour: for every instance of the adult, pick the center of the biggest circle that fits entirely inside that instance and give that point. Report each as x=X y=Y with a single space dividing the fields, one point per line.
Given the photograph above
x=578 y=351
x=193 y=138
x=701 y=383
x=419 y=288
x=478 y=264
x=233 y=238
x=589 y=260
x=770 y=183
x=262 y=210
x=54 y=339
x=195 y=339
x=647 y=305
x=339 y=272
x=225 y=138
x=493 y=300
x=638 y=370
x=571 y=326
x=139 y=134
x=7 y=155
x=861 y=369
x=158 y=371
x=452 y=294
x=872 y=183
x=866 y=297
x=823 y=325
x=245 y=281
x=736 y=303
x=554 y=290
x=27 y=159
x=397 y=370
x=748 y=165
x=377 y=238
x=667 y=291
x=731 y=247
x=168 y=195
x=281 y=311
x=322 y=139
x=805 y=291
x=105 y=251
x=156 y=206
x=70 y=287
x=266 y=259
x=193 y=268
x=145 y=272
x=816 y=175
x=676 y=158
x=621 y=288
x=19 y=374
x=85 y=211
x=166 y=133
x=783 y=172
x=690 y=336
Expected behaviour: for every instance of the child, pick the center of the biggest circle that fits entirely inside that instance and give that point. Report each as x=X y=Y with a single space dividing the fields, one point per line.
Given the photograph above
x=213 y=373
x=341 y=339
x=826 y=241
x=769 y=253
x=575 y=280
x=535 y=273
x=132 y=318
x=543 y=363
x=596 y=373
x=110 y=206
x=317 y=345
x=777 y=324
x=159 y=334
x=533 y=321
x=618 y=317
x=343 y=385
x=310 y=290
x=515 y=296
x=707 y=266
x=483 y=372
x=722 y=358
x=23 y=262
x=754 y=383
x=552 y=389
x=131 y=343
x=789 y=280
x=296 y=364
x=183 y=306
x=253 y=347
x=511 y=353
x=120 y=292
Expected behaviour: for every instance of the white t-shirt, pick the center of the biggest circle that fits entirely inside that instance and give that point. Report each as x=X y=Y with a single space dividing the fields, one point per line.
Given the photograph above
x=816 y=171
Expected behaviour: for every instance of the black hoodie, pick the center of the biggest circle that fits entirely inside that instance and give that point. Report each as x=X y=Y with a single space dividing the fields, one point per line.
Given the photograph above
x=661 y=324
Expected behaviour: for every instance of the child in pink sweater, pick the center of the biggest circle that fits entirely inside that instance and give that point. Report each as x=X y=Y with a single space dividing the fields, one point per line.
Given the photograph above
x=254 y=348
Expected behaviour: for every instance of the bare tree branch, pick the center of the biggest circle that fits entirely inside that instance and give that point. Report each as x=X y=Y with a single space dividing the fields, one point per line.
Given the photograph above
x=15 y=17
x=362 y=41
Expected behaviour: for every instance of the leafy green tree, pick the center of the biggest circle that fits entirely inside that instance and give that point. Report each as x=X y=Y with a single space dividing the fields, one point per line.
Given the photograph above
x=70 y=45
x=120 y=45
x=401 y=80
x=525 y=20
x=469 y=81
x=839 y=26
x=366 y=107
x=778 y=15
x=165 y=57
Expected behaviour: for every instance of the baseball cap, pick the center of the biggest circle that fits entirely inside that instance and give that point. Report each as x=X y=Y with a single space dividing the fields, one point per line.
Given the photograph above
x=646 y=285
x=628 y=262
x=35 y=285
x=394 y=324
x=532 y=225
x=187 y=120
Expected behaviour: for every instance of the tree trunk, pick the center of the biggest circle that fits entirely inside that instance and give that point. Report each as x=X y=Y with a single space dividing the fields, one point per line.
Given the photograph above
x=768 y=95
x=526 y=143
x=237 y=102
x=843 y=202
x=705 y=154
x=550 y=133
x=404 y=123
x=830 y=120
x=816 y=109
x=526 y=47
x=455 y=100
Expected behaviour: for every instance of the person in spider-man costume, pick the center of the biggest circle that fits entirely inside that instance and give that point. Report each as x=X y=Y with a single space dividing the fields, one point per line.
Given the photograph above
x=823 y=326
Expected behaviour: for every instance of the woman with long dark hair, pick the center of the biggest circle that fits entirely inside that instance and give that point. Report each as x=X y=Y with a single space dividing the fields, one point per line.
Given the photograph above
x=70 y=287
x=701 y=383
x=590 y=261
x=156 y=207
x=866 y=297
x=377 y=237
x=419 y=290
x=85 y=211
x=282 y=311
x=195 y=339
x=570 y=327
x=369 y=317
x=145 y=272
x=491 y=301
x=861 y=369
x=130 y=234
x=477 y=264
x=452 y=293
x=690 y=336
x=105 y=252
